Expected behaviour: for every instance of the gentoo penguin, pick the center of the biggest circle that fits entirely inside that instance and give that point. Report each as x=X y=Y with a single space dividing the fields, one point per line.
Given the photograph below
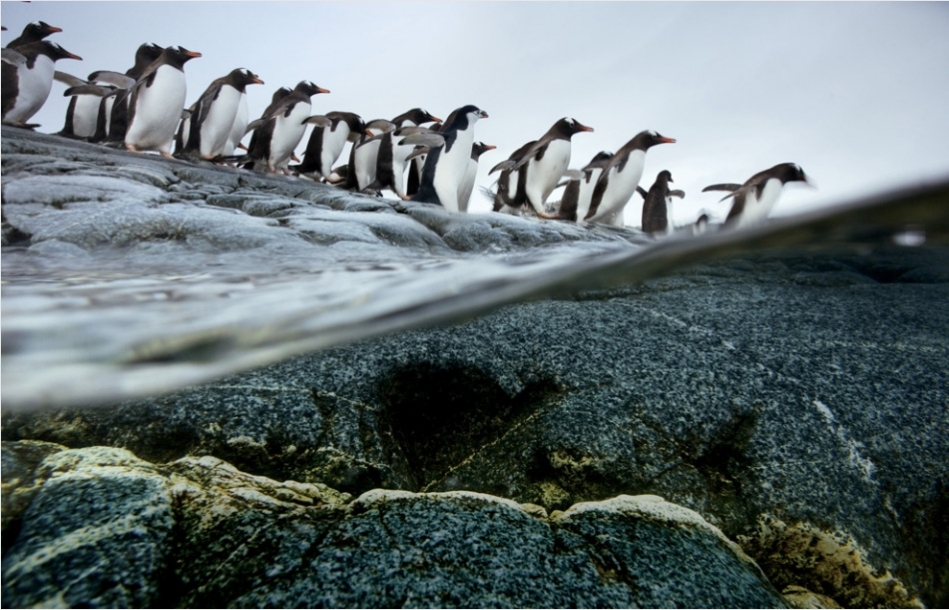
x=27 y=77
x=576 y=197
x=364 y=155
x=116 y=121
x=214 y=113
x=545 y=161
x=620 y=178
x=756 y=197
x=511 y=184
x=259 y=147
x=657 y=208
x=391 y=156
x=157 y=100
x=33 y=32
x=471 y=173
x=91 y=101
x=447 y=163
x=326 y=144
x=283 y=129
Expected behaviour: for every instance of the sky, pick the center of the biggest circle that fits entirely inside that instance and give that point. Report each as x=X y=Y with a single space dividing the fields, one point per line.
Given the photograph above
x=855 y=93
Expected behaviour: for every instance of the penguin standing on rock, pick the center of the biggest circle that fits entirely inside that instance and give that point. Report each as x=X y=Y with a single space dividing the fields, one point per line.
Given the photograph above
x=657 y=209
x=282 y=129
x=27 y=77
x=157 y=101
x=576 y=197
x=115 y=117
x=619 y=180
x=212 y=116
x=326 y=144
x=755 y=198
x=544 y=163
x=447 y=160
x=392 y=156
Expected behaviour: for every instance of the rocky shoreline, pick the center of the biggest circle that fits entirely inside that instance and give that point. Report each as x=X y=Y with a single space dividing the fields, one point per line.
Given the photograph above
x=758 y=427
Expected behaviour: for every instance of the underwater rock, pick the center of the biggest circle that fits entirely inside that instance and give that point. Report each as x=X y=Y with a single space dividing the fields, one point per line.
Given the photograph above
x=199 y=533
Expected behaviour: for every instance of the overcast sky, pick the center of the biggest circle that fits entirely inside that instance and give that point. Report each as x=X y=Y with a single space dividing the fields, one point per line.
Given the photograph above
x=856 y=93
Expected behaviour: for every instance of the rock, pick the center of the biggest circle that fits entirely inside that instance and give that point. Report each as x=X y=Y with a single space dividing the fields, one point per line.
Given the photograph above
x=204 y=534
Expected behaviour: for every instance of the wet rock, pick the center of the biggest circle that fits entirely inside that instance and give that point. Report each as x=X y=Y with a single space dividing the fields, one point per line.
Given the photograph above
x=197 y=532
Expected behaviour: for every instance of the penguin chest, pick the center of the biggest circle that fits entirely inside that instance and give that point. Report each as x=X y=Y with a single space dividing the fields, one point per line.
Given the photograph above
x=217 y=123
x=585 y=193
x=757 y=209
x=158 y=110
x=451 y=168
x=287 y=133
x=622 y=185
x=365 y=160
x=238 y=127
x=85 y=115
x=34 y=86
x=544 y=174
x=333 y=143
x=467 y=185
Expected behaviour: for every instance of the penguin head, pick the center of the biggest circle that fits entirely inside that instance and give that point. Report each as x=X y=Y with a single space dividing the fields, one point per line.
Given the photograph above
x=479 y=148
x=147 y=53
x=472 y=111
x=40 y=30
x=56 y=52
x=308 y=88
x=792 y=172
x=644 y=140
x=177 y=56
x=665 y=175
x=241 y=77
x=569 y=126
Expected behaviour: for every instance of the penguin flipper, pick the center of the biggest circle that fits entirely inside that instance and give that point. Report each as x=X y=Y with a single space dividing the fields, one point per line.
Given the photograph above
x=14 y=58
x=430 y=139
x=68 y=79
x=255 y=124
x=677 y=193
x=503 y=166
x=112 y=78
x=317 y=119
x=537 y=149
x=727 y=186
x=418 y=152
x=573 y=174
x=641 y=191
x=87 y=89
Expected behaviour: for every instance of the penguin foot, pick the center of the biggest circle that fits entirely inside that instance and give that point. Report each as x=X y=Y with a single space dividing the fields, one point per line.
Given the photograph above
x=131 y=148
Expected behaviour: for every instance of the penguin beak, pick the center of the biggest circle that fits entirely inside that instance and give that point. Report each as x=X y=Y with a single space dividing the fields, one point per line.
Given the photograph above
x=489 y=147
x=68 y=55
x=322 y=90
x=585 y=128
x=483 y=114
x=258 y=81
x=664 y=140
x=436 y=120
x=52 y=29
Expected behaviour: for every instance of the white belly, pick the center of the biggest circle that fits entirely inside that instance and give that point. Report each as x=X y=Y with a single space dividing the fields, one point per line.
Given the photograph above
x=585 y=195
x=158 y=111
x=365 y=160
x=467 y=185
x=756 y=210
x=238 y=128
x=287 y=133
x=621 y=187
x=333 y=143
x=543 y=175
x=216 y=127
x=85 y=115
x=34 y=86
x=451 y=168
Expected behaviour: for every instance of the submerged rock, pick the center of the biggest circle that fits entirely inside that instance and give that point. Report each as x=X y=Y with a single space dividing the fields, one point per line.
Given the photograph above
x=107 y=529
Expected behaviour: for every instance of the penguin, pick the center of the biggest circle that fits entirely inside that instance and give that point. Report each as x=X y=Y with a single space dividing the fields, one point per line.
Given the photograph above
x=27 y=77
x=115 y=122
x=447 y=162
x=576 y=197
x=283 y=128
x=657 y=208
x=89 y=100
x=364 y=155
x=471 y=173
x=33 y=32
x=326 y=144
x=238 y=128
x=214 y=113
x=620 y=178
x=391 y=156
x=511 y=184
x=544 y=163
x=156 y=102
x=755 y=198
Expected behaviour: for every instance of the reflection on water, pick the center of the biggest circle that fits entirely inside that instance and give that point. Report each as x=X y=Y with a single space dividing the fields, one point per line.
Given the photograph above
x=111 y=326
